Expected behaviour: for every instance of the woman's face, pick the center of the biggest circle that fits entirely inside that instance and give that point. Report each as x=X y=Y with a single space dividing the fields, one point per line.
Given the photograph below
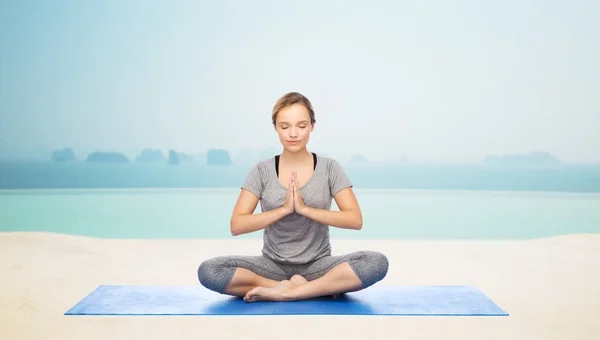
x=293 y=127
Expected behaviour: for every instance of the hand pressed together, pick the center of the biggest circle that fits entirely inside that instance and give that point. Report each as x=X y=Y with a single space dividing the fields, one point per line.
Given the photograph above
x=299 y=206
x=288 y=206
x=293 y=198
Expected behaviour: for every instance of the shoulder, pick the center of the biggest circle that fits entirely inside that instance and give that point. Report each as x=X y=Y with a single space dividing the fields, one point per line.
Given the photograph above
x=335 y=175
x=257 y=177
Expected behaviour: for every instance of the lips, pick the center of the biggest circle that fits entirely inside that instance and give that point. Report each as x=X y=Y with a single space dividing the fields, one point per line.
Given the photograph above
x=294 y=142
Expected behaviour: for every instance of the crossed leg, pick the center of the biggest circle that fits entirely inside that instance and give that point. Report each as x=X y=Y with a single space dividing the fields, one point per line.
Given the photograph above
x=340 y=279
x=245 y=280
x=266 y=281
x=329 y=275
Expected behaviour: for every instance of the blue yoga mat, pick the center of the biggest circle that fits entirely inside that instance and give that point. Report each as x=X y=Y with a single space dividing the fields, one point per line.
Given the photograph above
x=375 y=300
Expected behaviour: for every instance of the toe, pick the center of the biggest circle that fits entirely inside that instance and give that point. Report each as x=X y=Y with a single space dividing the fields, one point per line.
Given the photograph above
x=249 y=295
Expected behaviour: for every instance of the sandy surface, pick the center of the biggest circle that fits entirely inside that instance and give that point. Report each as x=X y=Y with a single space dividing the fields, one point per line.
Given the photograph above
x=550 y=287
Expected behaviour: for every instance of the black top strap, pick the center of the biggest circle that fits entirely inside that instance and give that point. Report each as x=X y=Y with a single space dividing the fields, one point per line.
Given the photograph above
x=277 y=162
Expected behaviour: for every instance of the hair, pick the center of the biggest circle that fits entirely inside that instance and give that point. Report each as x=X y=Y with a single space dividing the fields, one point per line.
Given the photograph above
x=292 y=98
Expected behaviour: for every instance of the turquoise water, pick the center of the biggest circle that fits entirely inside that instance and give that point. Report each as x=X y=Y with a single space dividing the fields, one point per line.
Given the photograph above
x=49 y=175
x=387 y=214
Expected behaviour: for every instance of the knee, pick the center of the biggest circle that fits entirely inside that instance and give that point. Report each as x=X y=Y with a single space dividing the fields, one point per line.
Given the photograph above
x=204 y=270
x=378 y=265
x=208 y=272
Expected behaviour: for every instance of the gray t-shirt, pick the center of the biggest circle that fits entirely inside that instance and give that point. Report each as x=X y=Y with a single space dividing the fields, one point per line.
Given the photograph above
x=296 y=239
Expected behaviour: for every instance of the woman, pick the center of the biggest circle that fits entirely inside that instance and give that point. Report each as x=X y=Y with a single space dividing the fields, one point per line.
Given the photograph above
x=295 y=190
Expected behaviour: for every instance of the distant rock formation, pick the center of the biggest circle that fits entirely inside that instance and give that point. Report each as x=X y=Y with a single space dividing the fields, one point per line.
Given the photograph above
x=179 y=157
x=64 y=155
x=107 y=157
x=185 y=158
x=151 y=156
x=218 y=157
x=358 y=159
x=537 y=158
x=173 y=157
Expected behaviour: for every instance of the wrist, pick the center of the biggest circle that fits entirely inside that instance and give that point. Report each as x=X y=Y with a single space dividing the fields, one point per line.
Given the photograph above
x=285 y=211
x=304 y=211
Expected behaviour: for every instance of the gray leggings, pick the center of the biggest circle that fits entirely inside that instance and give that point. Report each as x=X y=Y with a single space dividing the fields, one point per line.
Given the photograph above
x=216 y=273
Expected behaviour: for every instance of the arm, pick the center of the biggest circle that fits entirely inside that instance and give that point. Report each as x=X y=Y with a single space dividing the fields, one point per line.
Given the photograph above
x=349 y=216
x=243 y=219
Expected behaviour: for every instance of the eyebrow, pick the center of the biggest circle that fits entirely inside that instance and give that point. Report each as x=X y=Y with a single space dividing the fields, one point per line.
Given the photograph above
x=302 y=121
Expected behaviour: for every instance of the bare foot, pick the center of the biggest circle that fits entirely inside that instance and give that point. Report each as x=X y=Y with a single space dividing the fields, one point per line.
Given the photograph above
x=276 y=293
x=298 y=279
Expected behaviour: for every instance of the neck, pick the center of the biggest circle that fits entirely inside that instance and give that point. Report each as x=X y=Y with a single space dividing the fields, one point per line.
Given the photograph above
x=298 y=157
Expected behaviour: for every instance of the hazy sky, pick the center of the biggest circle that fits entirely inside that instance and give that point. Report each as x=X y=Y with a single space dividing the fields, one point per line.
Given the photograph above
x=435 y=80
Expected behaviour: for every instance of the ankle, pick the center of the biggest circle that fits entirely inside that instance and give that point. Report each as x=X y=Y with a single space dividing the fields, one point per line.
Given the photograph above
x=288 y=296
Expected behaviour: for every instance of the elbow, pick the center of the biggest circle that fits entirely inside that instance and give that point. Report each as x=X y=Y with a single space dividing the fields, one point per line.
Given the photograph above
x=233 y=227
x=237 y=225
x=355 y=220
x=359 y=223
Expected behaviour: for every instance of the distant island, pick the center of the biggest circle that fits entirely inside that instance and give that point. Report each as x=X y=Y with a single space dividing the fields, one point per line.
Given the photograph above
x=107 y=157
x=151 y=156
x=536 y=158
x=64 y=155
x=173 y=158
x=179 y=157
x=146 y=156
x=184 y=157
x=218 y=157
